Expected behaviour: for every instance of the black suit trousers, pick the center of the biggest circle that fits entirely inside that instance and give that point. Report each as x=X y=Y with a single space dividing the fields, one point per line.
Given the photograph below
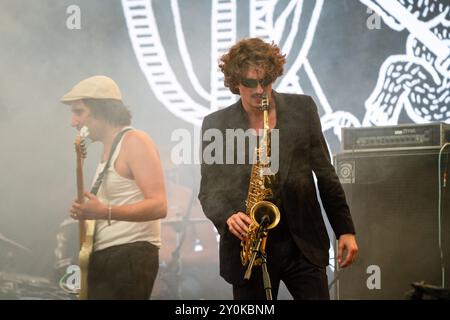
x=286 y=263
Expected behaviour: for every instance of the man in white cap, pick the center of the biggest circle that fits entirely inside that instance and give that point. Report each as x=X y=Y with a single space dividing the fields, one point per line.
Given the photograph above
x=131 y=198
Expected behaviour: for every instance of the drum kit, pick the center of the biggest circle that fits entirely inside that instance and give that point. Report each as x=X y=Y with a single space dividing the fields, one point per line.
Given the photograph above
x=189 y=260
x=189 y=253
x=20 y=286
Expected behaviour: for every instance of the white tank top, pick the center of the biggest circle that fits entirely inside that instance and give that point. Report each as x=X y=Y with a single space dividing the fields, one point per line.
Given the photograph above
x=116 y=190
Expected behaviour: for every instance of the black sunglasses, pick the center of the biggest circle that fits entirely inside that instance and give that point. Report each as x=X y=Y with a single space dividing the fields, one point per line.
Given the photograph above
x=253 y=83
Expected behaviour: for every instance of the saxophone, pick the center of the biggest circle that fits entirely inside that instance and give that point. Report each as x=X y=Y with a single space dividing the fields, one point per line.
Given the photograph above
x=259 y=191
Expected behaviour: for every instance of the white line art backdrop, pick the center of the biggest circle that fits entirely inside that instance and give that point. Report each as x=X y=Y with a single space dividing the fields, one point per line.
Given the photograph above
x=282 y=28
x=417 y=81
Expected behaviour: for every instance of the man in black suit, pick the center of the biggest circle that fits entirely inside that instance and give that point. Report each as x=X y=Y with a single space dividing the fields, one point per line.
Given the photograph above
x=297 y=248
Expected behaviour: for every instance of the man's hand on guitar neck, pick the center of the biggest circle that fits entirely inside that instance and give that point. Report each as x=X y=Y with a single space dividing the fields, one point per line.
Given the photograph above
x=92 y=209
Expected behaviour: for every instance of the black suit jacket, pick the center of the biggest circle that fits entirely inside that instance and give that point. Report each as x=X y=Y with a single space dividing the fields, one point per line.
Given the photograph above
x=302 y=151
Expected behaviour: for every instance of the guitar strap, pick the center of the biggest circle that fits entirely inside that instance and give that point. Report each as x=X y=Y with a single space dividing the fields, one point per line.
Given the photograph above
x=100 y=177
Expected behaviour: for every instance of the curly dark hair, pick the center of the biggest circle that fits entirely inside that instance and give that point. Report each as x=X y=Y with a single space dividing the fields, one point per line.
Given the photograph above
x=111 y=110
x=251 y=52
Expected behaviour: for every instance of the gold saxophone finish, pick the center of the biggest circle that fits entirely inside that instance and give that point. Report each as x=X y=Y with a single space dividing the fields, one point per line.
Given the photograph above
x=259 y=191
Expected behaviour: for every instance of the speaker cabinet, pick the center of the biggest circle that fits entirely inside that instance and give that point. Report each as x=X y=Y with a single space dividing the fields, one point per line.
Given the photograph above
x=393 y=198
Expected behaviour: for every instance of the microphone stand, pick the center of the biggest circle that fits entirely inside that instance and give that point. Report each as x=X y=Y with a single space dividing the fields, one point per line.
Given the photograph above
x=258 y=252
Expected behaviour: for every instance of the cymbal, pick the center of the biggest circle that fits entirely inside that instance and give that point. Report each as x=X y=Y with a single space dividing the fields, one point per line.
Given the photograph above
x=21 y=277
x=13 y=243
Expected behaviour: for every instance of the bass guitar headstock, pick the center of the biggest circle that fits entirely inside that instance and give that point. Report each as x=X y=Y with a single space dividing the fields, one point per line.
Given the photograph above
x=81 y=142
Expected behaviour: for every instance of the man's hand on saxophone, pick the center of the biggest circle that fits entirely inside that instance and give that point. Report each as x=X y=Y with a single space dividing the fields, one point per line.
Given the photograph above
x=238 y=224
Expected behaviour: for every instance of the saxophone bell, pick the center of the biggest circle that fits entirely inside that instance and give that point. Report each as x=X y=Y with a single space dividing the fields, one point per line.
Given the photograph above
x=266 y=213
